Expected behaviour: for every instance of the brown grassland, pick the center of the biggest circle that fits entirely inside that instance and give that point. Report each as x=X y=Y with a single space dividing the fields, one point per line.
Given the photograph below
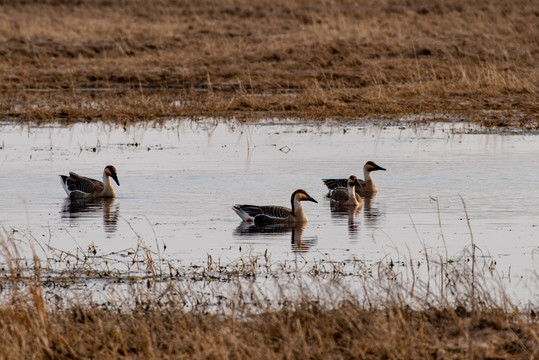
x=303 y=331
x=134 y=59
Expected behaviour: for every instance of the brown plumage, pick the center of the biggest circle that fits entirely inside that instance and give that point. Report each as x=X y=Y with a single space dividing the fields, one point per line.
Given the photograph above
x=366 y=187
x=77 y=186
x=269 y=214
x=346 y=197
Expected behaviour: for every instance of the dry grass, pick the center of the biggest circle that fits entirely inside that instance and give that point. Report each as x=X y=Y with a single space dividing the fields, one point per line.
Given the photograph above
x=335 y=310
x=305 y=331
x=268 y=58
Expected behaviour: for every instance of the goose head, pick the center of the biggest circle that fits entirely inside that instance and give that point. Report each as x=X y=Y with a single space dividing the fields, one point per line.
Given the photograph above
x=353 y=181
x=372 y=166
x=111 y=171
x=301 y=195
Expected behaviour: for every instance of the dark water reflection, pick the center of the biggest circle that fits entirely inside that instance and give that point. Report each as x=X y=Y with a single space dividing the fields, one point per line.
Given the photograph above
x=298 y=242
x=371 y=215
x=371 y=212
x=350 y=214
x=81 y=209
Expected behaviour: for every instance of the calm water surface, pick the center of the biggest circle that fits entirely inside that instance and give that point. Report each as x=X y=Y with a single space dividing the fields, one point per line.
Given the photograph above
x=179 y=180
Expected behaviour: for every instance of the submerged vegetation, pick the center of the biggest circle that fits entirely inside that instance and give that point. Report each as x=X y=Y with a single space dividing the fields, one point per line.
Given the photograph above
x=132 y=60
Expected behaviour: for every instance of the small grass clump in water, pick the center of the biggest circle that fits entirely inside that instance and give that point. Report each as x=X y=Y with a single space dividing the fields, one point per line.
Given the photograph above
x=345 y=310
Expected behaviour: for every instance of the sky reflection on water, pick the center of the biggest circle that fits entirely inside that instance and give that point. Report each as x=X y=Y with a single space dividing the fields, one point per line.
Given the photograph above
x=179 y=180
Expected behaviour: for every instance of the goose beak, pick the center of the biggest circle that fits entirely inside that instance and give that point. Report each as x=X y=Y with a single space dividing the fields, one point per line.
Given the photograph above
x=115 y=178
x=378 y=168
x=311 y=199
x=356 y=183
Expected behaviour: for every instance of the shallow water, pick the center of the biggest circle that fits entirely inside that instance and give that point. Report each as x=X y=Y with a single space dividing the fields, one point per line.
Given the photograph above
x=180 y=178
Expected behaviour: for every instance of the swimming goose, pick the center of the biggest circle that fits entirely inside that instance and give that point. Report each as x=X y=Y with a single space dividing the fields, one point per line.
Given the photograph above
x=341 y=197
x=267 y=215
x=77 y=186
x=366 y=188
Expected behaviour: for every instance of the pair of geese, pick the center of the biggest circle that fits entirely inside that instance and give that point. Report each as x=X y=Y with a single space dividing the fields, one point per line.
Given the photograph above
x=342 y=193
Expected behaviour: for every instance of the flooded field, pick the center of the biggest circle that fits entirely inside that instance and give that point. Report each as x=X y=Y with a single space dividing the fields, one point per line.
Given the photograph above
x=180 y=178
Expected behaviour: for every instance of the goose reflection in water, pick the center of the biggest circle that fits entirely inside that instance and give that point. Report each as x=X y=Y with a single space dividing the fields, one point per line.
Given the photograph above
x=298 y=242
x=350 y=213
x=91 y=208
x=346 y=202
x=371 y=213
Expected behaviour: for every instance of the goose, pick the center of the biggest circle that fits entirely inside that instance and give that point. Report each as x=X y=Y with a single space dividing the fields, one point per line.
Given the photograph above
x=366 y=188
x=341 y=197
x=268 y=214
x=77 y=186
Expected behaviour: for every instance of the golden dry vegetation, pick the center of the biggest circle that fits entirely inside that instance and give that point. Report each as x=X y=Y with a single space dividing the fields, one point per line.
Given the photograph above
x=136 y=59
x=305 y=331
x=79 y=306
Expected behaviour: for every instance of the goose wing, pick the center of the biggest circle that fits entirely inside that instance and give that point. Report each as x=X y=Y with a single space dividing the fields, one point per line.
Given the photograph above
x=341 y=183
x=338 y=195
x=276 y=212
x=335 y=183
x=271 y=211
x=81 y=184
x=271 y=215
